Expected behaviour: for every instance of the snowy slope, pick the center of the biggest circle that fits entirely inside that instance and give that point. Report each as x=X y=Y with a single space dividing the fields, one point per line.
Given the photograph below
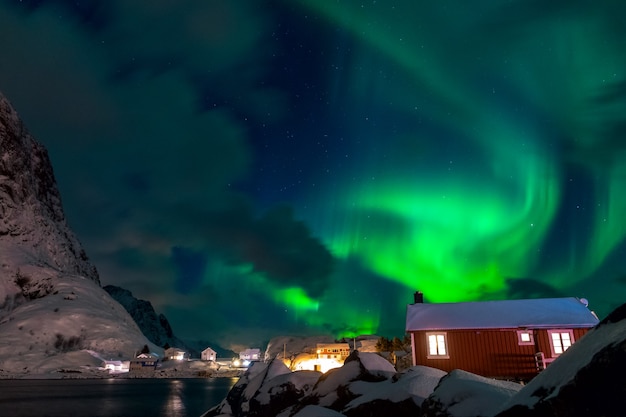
x=53 y=313
x=77 y=316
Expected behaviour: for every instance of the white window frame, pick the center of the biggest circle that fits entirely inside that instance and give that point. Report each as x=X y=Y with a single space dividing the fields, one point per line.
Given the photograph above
x=441 y=341
x=557 y=335
x=520 y=337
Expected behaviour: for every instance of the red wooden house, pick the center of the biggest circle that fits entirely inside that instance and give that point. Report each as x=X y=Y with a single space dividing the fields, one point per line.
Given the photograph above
x=509 y=339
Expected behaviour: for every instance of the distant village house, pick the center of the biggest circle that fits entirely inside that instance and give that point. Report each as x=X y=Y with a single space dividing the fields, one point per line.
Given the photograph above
x=115 y=367
x=339 y=351
x=327 y=356
x=173 y=353
x=208 y=354
x=513 y=339
x=250 y=355
x=143 y=363
x=246 y=357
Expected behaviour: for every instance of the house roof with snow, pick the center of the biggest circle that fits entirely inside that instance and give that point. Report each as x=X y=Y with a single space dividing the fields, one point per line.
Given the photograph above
x=250 y=354
x=112 y=362
x=537 y=313
x=147 y=356
x=174 y=350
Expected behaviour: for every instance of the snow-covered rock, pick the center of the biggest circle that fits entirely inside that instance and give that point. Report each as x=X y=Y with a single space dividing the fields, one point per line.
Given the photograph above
x=316 y=411
x=588 y=379
x=51 y=302
x=404 y=390
x=281 y=392
x=265 y=389
x=335 y=388
x=366 y=385
x=463 y=394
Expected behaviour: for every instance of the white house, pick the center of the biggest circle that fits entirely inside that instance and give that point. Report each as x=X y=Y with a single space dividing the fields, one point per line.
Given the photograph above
x=333 y=351
x=208 y=354
x=175 y=354
x=115 y=367
x=327 y=356
x=250 y=355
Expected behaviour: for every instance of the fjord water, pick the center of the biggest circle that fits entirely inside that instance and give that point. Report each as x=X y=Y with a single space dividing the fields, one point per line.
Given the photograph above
x=111 y=397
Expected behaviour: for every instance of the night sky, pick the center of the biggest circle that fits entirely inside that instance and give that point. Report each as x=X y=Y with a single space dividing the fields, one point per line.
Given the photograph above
x=264 y=168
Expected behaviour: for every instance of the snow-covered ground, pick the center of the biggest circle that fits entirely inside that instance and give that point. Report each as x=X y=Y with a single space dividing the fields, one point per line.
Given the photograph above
x=72 y=329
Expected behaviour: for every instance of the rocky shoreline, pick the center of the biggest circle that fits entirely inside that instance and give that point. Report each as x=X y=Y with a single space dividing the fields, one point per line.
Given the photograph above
x=171 y=370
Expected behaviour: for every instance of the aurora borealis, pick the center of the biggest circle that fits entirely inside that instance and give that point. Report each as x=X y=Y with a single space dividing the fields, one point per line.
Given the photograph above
x=301 y=167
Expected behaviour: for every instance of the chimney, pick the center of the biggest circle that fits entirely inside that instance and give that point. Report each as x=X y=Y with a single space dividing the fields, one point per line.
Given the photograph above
x=418 y=297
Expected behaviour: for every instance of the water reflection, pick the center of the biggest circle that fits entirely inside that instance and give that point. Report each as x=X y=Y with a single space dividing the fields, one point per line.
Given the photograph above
x=109 y=402
x=113 y=397
x=174 y=405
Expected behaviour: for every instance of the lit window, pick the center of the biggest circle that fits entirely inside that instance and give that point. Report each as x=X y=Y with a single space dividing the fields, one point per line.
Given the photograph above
x=437 y=346
x=525 y=337
x=560 y=340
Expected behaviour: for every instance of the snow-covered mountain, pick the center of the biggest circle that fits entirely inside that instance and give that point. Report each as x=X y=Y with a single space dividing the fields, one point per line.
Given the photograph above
x=154 y=326
x=51 y=304
x=33 y=230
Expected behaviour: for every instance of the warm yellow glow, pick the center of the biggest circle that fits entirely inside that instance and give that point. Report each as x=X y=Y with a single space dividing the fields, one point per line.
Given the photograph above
x=318 y=364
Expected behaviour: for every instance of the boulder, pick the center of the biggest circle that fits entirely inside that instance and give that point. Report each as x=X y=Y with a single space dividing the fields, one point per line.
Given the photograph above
x=401 y=395
x=265 y=389
x=463 y=394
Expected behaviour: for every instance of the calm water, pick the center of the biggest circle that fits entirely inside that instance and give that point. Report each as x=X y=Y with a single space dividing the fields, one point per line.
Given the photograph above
x=111 y=397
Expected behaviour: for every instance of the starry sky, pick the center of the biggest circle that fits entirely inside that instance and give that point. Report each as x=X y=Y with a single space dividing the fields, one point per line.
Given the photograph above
x=300 y=167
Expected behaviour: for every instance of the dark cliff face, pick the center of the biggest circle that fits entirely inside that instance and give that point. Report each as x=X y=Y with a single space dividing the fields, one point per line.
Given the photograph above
x=31 y=213
x=154 y=326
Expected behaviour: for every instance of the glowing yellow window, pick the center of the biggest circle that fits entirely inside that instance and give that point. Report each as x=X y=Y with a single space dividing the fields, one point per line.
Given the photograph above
x=525 y=337
x=437 y=346
x=560 y=340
